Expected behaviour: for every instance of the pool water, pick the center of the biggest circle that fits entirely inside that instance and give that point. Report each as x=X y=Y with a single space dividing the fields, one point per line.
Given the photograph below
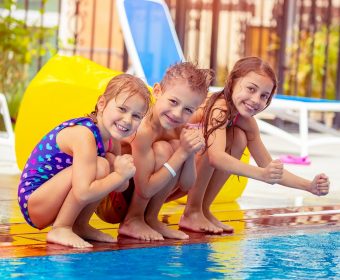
x=297 y=256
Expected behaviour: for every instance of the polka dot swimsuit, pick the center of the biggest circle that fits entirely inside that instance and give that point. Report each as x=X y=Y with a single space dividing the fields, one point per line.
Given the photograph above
x=47 y=160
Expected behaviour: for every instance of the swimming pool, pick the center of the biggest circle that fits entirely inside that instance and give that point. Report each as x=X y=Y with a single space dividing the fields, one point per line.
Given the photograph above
x=298 y=255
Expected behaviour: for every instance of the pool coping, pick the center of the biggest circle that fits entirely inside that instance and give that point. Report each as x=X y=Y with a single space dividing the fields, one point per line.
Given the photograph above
x=254 y=223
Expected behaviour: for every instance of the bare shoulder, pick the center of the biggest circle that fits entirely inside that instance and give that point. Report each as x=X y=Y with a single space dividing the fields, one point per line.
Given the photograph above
x=76 y=137
x=249 y=126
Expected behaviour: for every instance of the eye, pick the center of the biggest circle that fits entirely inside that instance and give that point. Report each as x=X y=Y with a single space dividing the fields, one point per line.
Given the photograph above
x=173 y=101
x=189 y=111
x=251 y=89
x=265 y=97
x=122 y=109
x=137 y=117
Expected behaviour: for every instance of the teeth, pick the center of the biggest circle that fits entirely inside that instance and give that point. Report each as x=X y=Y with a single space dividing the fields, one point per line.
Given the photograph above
x=121 y=127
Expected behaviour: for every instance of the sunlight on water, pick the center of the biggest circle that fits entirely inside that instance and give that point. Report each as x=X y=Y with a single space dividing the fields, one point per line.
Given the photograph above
x=302 y=256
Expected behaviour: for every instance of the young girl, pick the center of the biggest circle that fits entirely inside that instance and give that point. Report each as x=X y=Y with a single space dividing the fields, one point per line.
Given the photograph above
x=68 y=172
x=163 y=153
x=229 y=126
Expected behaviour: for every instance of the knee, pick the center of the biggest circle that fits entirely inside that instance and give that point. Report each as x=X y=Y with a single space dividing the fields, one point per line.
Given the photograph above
x=103 y=168
x=240 y=143
x=162 y=151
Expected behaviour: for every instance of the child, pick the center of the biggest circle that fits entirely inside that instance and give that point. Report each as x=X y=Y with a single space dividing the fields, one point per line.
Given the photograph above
x=163 y=153
x=228 y=127
x=68 y=172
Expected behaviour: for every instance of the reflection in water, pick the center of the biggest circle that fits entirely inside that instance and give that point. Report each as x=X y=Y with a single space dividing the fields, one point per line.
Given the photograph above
x=298 y=256
x=5 y=238
x=233 y=257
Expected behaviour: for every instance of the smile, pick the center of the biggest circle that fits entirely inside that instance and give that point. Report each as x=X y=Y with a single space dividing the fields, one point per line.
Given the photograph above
x=121 y=128
x=171 y=119
x=250 y=108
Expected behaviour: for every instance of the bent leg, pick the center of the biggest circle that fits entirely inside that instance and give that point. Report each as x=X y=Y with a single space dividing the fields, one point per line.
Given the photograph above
x=45 y=202
x=193 y=218
x=197 y=216
x=163 y=151
x=85 y=230
x=69 y=209
x=134 y=224
x=82 y=225
x=217 y=181
x=219 y=178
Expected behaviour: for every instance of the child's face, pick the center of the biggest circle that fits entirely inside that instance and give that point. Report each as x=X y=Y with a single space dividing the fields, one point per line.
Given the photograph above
x=251 y=93
x=176 y=104
x=123 y=114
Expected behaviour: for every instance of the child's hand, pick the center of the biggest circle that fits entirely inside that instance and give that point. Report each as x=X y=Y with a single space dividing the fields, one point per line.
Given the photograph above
x=273 y=172
x=124 y=166
x=191 y=140
x=320 y=185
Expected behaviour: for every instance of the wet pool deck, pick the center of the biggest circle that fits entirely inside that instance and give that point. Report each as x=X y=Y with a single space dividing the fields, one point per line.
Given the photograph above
x=262 y=209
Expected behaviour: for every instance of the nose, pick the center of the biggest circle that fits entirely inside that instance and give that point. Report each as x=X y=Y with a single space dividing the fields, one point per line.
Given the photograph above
x=177 y=113
x=256 y=99
x=127 y=118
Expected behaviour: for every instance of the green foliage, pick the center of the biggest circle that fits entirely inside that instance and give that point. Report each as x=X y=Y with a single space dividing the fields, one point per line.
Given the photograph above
x=315 y=71
x=20 y=47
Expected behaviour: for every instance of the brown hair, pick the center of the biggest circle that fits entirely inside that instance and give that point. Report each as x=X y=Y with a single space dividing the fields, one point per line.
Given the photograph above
x=197 y=79
x=124 y=83
x=241 y=68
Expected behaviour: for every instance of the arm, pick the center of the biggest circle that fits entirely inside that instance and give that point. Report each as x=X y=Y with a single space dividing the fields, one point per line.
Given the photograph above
x=318 y=186
x=79 y=141
x=188 y=175
x=148 y=181
x=221 y=160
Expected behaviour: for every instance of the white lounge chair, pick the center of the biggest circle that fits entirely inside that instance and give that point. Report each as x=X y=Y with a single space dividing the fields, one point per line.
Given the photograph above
x=153 y=45
x=7 y=152
x=296 y=109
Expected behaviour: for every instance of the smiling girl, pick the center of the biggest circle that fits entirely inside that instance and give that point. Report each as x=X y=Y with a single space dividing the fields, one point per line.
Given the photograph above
x=68 y=172
x=228 y=124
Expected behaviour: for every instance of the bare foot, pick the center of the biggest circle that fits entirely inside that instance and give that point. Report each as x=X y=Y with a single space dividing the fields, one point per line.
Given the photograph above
x=90 y=233
x=199 y=223
x=65 y=236
x=216 y=222
x=137 y=228
x=167 y=232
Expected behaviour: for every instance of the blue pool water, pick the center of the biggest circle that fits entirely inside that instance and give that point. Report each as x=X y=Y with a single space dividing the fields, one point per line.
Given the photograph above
x=298 y=256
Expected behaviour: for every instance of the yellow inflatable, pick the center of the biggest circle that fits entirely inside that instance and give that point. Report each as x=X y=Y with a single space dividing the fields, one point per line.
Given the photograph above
x=68 y=87
x=65 y=88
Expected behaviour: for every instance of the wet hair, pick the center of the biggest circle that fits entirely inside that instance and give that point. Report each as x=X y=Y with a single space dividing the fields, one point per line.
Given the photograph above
x=120 y=84
x=198 y=79
x=241 y=68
